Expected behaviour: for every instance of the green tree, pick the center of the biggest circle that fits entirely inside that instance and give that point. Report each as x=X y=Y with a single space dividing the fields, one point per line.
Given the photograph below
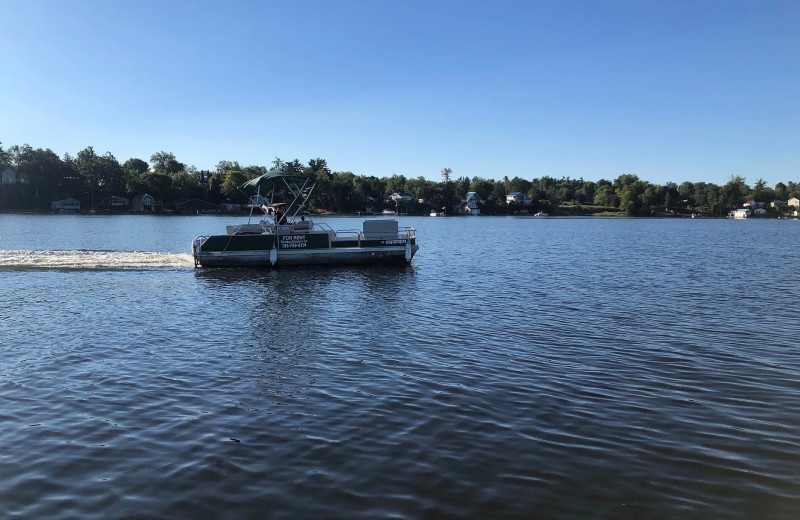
x=371 y=190
x=157 y=185
x=69 y=179
x=293 y=168
x=629 y=190
x=461 y=186
x=761 y=193
x=395 y=184
x=230 y=186
x=132 y=171
x=41 y=171
x=343 y=192
x=166 y=163
x=5 y=158
x=604 y=195
x=278 y=164
x=319 y=165
x=781 y=192
x=88 y=166
x=686 y=193
x=214 y=193
x=499 y=192
x=734 y=192
x=223 y=167
x=112 y=178
x=185 y=185
x=482 y=187
x=448 y=190
x=517 y=184
x=713 y=198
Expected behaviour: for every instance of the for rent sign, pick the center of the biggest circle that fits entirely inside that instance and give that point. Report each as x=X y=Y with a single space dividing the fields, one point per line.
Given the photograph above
x=294 y=242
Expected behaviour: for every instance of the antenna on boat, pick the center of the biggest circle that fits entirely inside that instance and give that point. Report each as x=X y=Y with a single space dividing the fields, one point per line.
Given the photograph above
x=258 y=198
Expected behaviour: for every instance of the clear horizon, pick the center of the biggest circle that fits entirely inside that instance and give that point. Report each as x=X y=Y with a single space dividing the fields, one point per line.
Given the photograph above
x=670 y=92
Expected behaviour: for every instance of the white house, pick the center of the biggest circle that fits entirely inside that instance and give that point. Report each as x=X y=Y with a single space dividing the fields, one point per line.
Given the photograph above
x=470 y=206
x=517 y=197
x=69 y=205
x=739 y=213
x=143 y=203
x=9 y=176
x=794 y=201
x=396 y=197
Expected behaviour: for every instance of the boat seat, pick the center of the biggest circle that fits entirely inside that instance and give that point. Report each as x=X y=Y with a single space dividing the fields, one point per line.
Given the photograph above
x=302 y=226
x=244 y=229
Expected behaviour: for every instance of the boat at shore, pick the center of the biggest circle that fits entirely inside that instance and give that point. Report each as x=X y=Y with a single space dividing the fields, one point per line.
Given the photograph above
x=285 y=236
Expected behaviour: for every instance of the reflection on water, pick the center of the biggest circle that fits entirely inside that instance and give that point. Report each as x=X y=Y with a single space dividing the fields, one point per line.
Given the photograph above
x=293 y=308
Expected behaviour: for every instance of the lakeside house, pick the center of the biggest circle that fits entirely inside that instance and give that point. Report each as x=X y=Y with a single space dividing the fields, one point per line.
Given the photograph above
x=398 y=199
x=144 y=203
x=794 y=201
x=115 y=202
x=517 y=197
x=195 y=206
x=230 y=207
x=11 y=186
x=740 y=213
x=470 y=205
x=68 y=205
x=9 y=176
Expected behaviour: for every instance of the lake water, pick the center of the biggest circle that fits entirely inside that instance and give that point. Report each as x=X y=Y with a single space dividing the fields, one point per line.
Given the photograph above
x=519 y=368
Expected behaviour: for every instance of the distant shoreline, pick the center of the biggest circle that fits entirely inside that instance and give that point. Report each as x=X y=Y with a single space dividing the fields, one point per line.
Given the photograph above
x=603 y=215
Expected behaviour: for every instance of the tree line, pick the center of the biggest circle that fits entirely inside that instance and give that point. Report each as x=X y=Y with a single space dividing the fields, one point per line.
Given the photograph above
x=91 y=177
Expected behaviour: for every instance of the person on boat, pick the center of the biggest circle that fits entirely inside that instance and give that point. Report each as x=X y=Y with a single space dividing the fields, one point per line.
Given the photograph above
x=303 y=225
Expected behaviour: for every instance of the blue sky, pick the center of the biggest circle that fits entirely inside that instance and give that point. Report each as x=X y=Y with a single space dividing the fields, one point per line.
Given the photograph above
x=666 y=90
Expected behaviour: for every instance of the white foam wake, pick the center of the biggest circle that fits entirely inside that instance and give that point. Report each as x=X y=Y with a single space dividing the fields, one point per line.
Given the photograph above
x=92 y=260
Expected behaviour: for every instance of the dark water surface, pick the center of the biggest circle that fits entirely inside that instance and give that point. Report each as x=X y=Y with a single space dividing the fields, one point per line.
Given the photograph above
x=520 y=368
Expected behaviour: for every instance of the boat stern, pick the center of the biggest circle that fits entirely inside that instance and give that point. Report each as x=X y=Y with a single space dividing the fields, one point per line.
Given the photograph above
x=197 y=246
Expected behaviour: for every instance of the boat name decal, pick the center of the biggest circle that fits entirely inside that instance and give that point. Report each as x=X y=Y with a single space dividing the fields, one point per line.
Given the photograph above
x=294 y=242
x=394 y=242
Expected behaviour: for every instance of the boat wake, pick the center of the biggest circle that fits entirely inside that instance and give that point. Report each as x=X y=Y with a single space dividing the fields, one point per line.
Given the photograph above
x=83 y=259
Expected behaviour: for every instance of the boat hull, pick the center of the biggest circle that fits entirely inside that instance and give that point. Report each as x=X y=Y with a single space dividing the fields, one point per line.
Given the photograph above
x=298 y=250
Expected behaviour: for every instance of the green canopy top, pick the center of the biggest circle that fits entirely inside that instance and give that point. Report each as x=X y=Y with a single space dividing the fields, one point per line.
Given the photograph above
x=272 y=177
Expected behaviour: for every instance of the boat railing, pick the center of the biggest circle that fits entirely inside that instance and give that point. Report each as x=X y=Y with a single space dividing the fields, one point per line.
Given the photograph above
x=350 y=233
x=407 y=232
x=322 y=226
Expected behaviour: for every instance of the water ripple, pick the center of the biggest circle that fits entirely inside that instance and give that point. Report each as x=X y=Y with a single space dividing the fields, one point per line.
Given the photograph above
x=603 y=369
